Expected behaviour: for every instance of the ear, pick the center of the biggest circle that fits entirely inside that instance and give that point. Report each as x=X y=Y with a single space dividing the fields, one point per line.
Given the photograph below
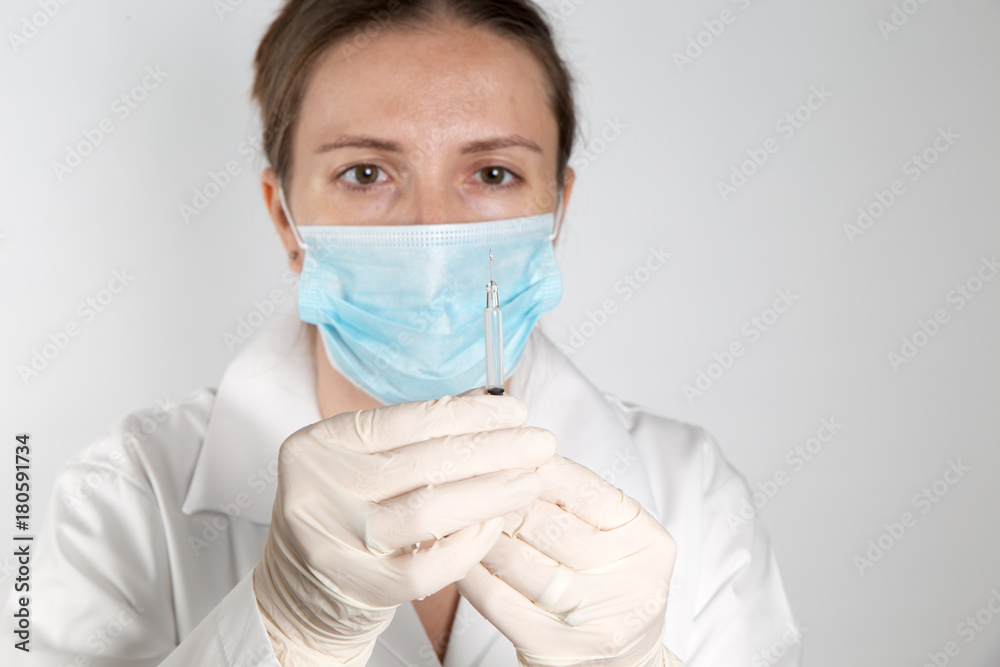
x=569 y=177
x=269 y=185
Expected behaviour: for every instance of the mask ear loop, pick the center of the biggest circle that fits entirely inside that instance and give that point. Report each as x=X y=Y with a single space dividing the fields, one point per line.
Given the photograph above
x=288 y=216
x=558 y=216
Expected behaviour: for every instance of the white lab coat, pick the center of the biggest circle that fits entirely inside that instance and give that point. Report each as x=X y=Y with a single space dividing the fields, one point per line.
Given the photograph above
x=146 y=554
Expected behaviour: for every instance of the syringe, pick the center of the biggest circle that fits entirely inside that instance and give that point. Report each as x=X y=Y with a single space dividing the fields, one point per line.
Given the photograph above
x=493 y=320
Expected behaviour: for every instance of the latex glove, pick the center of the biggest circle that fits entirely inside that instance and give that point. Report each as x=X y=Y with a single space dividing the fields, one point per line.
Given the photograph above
x=355 y=491
x=580 y=577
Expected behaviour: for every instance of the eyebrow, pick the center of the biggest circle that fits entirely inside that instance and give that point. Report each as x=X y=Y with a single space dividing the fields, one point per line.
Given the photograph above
x=481 y=146
x=360 y=141
x=505 y=141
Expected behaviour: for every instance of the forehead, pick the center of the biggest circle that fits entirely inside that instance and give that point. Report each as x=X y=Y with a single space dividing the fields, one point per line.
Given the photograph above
x=445 y=82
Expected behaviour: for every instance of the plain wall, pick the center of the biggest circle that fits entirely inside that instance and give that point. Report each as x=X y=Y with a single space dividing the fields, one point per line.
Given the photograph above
x=660 y=134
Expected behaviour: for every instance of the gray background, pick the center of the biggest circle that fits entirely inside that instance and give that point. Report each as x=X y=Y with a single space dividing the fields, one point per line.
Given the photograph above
x=654 y=182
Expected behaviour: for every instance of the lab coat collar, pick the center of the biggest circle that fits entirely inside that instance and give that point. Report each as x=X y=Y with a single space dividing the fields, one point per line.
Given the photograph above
x=269 y=391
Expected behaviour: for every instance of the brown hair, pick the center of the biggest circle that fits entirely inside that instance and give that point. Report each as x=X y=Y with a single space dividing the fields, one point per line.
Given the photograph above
x=304 y=29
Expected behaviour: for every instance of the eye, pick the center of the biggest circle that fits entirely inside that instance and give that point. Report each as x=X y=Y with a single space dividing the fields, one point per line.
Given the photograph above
x=496 y=177
x=362 y=174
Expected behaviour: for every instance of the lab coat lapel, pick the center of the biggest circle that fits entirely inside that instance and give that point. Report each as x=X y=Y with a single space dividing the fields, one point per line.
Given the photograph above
x=561 y=399
x=267 y=393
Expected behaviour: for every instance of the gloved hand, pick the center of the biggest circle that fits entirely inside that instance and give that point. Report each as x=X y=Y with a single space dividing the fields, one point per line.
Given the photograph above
x=580 y=577
x=357 y=490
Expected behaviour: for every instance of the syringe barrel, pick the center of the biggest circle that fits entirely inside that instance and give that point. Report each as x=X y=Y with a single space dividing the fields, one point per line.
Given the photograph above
x=493 y=321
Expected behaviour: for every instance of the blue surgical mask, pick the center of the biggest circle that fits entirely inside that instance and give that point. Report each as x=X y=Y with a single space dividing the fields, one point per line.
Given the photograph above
x=400 y=308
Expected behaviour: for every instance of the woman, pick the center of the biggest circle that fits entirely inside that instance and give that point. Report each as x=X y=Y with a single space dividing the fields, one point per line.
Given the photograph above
x=408 y=517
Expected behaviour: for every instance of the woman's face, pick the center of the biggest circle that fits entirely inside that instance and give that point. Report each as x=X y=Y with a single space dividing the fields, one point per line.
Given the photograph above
x=444 y=124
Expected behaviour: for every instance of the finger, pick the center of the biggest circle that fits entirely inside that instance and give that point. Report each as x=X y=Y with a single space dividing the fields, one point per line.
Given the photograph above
x=547 y=583
x=584 y=493
x=513 y=614
x=425 y=571
x=566 y=538
x=435 y=511
x=437 y=461
x=383 y=428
